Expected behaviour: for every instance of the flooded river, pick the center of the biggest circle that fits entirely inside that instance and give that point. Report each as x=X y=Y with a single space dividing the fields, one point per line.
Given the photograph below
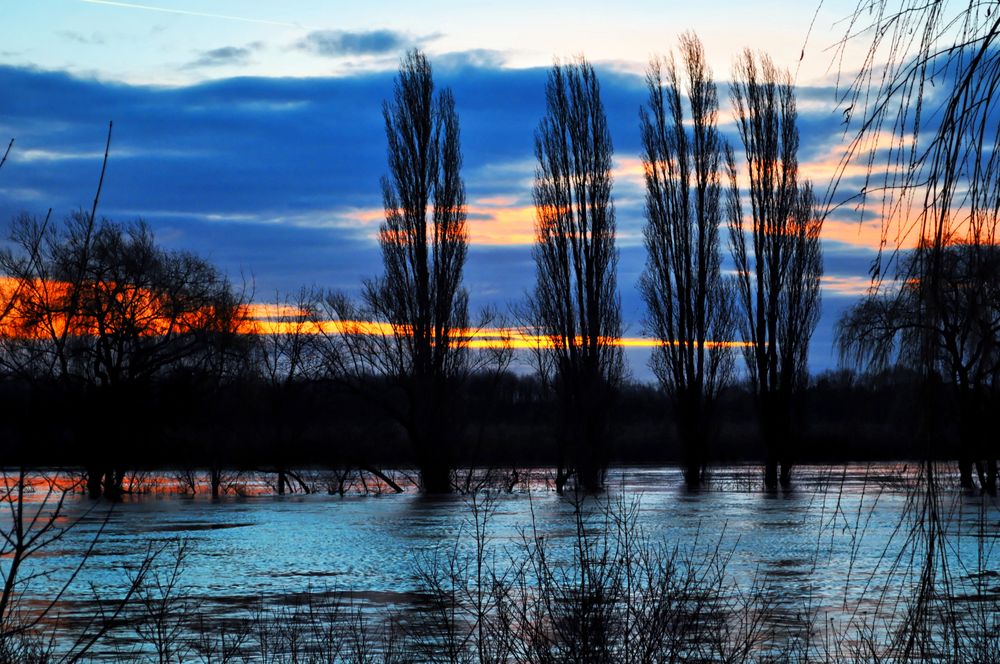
x=835 y=542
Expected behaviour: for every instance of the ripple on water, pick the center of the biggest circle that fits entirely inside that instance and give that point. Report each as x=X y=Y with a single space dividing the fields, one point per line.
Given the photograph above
x=805 y=544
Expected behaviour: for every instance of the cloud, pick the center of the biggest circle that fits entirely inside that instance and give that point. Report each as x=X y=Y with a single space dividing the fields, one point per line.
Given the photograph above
x=225 y=56
x=479 y=58
x=94 y=39
x=278 y=178
x=340 y=43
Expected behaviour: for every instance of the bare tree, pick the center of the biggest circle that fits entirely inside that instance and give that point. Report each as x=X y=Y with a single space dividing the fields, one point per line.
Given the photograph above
x=99 y=310
x=103 y=310
x=418 y=309
x=289 y=357
x=778 y=273
x=575 y=303
x=227 y=363
x=687 y=298
x=6 y=153
x=923 y=108
x=890 y=326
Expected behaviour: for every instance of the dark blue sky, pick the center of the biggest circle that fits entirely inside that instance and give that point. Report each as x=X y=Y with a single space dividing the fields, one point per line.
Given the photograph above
x=276 y=179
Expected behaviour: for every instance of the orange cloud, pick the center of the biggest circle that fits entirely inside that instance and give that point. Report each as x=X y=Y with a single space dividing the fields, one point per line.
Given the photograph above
x=500 y=221
x=492 y=220
x=274 y=311
x=864 y=234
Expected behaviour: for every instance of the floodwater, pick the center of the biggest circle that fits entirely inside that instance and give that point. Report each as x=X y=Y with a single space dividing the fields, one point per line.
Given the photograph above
x=830 y=543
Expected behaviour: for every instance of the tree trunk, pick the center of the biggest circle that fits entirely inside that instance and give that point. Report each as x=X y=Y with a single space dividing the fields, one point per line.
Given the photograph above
x=772 y=444
x=590 y=477
x=592 y=442
x=969 y=437
x=776 y=431
x=981 y=473
x=432 y=436
x=771 y=473
x=786 y=473
x=991 y=477
x=281 y=482
x=94 y=489
x=216 y=482
x=692 y=475
x=113 y=484
x=690 y=431
x=965 y=471
x=561 y=478
x=435 y=477
x=590 y=455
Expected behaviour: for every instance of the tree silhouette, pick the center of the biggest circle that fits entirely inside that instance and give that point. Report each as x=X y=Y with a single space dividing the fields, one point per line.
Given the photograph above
x=423 y=347
x=102 y=309
x=778 y=273
x=6 y=153
x=924 y=110
x=288 y=357
x=889 y=327
x=926 y=121
x=575 y=303
x=687 y=299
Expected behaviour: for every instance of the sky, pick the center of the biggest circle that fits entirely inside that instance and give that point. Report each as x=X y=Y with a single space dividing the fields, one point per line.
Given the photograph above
x=251 y=132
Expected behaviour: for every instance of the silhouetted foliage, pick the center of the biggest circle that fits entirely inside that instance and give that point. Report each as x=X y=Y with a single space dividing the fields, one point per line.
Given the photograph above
x=99 y=307
x=778 y=273
x=420 y=298
x=575 y=303
x=687 y=299
x=892 y=327
x=927 y=126
x=288 y=355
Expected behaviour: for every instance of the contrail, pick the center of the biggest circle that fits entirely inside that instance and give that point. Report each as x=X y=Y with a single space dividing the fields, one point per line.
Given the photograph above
x=186 y=12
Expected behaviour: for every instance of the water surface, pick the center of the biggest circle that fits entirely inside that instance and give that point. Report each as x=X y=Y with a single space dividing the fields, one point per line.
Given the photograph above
x=829 y=543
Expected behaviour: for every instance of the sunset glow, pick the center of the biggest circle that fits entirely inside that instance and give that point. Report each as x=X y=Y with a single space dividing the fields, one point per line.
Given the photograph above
x=274 y=319
x=485 y=338
x=499 y=332
x=306 y=84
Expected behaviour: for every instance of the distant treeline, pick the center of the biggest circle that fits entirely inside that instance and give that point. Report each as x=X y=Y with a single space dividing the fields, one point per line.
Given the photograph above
x=182 y=421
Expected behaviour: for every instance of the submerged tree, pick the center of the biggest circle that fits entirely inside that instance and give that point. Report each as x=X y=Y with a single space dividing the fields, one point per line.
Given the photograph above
x=925 y=114
x=926 y=117
x=889 y=327
x=778 y=272
x=102 y=310
x=422 y=350
x=687 y=298
x=575 y=304
x=288 y=357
